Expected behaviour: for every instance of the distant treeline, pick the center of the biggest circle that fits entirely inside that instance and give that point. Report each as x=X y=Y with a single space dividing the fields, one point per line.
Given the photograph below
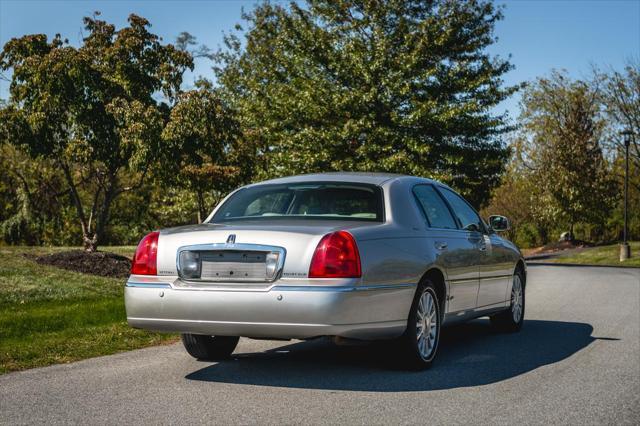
x=101 y=142
x=566 y=172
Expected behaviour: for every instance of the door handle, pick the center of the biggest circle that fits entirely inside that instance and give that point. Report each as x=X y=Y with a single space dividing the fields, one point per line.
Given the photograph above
x=440 y=245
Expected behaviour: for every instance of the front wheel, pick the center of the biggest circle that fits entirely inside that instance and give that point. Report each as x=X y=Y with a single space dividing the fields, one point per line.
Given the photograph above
x=511 y=320
x=421 y=338
x=209 y=348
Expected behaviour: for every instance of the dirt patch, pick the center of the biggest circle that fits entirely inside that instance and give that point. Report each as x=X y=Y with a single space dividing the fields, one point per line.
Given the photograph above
x=100 y=263
x=558 y=246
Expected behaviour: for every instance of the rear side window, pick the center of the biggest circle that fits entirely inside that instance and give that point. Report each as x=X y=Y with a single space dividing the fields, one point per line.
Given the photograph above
x=309 y=200
x=434 y=208
x=466 y=214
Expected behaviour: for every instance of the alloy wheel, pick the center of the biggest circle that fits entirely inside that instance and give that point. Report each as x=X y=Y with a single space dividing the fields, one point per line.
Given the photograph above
x=516 y=298
x=426 y=325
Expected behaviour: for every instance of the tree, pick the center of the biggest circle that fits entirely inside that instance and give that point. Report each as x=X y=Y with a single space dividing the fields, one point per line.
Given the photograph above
x=205 y=153
x=530 y=208
x=29 y=197
x=560 y=139
x=512 y=198
x=620 y=95
x=188 y=43
x=398 y=86
x=93 y=110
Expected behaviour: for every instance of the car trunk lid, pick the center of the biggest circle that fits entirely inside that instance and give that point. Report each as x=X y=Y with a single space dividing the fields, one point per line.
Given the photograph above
x=237 y=253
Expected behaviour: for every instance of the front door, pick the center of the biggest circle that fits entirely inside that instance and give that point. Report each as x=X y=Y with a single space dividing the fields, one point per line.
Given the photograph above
x=494 y=264
x=474 y=231
x=455 y=248
x=496 y=272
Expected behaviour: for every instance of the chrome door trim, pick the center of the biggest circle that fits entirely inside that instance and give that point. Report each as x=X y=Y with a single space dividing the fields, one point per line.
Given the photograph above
x=492 y=277
x=463 y=280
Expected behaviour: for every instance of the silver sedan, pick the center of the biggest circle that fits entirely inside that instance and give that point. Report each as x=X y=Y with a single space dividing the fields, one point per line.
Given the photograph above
x=362 y=256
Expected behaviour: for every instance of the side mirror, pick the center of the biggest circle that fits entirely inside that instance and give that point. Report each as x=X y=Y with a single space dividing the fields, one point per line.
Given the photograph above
x=499 y=223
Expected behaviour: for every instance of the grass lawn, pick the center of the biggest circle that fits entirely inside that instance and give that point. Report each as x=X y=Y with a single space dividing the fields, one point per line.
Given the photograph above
x=603 y=255
x=50 y=315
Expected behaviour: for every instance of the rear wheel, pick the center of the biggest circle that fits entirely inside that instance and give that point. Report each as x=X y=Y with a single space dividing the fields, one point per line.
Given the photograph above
x=511 y=320
x=209 y=348
x=420 y=341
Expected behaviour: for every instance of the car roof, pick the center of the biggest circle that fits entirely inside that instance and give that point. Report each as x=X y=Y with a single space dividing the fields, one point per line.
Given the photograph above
x=355 y=177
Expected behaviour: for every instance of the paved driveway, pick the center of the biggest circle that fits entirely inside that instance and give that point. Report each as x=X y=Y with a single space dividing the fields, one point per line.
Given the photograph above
x=577 y=360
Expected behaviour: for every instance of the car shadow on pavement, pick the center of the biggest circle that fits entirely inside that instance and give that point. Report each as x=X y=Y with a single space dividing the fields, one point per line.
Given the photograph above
x=470 y=354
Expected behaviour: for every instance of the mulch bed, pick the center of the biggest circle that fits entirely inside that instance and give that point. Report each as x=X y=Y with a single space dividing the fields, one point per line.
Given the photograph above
x=566 y=245
x=558 y=246
x=100 y=263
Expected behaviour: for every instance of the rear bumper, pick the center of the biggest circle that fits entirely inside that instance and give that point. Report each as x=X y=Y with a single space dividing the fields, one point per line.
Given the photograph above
x=281 y=311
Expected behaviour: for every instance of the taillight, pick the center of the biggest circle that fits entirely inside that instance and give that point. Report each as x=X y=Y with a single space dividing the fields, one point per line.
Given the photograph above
x=146 y=258
x=336 y=257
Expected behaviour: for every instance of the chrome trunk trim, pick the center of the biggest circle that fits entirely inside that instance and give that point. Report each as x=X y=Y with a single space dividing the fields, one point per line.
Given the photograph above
x=232 y=246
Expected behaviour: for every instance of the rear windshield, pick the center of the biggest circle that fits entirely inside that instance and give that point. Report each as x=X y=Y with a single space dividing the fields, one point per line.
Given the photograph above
x=311 y=200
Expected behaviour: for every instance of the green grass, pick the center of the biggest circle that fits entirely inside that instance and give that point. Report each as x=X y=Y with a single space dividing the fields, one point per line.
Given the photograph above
x=50 y=315
x=603 y=255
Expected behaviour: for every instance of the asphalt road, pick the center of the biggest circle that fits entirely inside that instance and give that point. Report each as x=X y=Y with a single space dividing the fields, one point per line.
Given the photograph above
x=576 y=361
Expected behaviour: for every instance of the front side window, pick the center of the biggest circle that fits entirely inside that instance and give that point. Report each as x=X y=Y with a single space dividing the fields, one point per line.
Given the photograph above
x=434 y=208
x=308 y=200
x=464 y=212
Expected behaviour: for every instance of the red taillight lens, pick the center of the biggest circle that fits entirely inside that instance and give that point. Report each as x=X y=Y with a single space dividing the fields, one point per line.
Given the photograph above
x=336 y=257
x=146 y=257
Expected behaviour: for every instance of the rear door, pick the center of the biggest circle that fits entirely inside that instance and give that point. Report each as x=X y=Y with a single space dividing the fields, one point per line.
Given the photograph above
x=455 y=248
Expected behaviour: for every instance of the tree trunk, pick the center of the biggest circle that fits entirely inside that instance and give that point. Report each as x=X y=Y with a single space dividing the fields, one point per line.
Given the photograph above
x=201 y=211
x=89 y=242
x=571 y=236
x=110 y=194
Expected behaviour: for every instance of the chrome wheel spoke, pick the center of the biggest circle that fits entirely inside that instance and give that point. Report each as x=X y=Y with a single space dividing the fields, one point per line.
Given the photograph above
x=516 y=299
x=426 y=324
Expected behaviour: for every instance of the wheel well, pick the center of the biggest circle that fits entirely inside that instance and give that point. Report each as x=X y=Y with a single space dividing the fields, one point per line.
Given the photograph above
x=520 y=267
x=436 y=277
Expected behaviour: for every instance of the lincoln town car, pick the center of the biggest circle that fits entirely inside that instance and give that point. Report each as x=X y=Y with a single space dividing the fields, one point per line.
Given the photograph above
x=352 y=256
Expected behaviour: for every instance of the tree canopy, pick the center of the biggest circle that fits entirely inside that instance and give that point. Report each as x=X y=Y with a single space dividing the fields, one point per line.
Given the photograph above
x=620 y=94
x=204 y=152
x=560 y=139
x=398 y=86
x=103 y=140
x=93 y=110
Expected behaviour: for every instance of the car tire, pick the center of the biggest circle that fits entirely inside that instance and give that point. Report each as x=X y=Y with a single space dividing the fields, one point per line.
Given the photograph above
x=421 y=338
x=209 y=348
x=511 y=320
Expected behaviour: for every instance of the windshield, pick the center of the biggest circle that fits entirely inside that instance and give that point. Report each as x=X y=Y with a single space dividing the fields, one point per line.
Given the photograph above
x=309 y=200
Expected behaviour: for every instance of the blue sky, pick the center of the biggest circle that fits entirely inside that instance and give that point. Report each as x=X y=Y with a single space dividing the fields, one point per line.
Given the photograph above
x=538 y=34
